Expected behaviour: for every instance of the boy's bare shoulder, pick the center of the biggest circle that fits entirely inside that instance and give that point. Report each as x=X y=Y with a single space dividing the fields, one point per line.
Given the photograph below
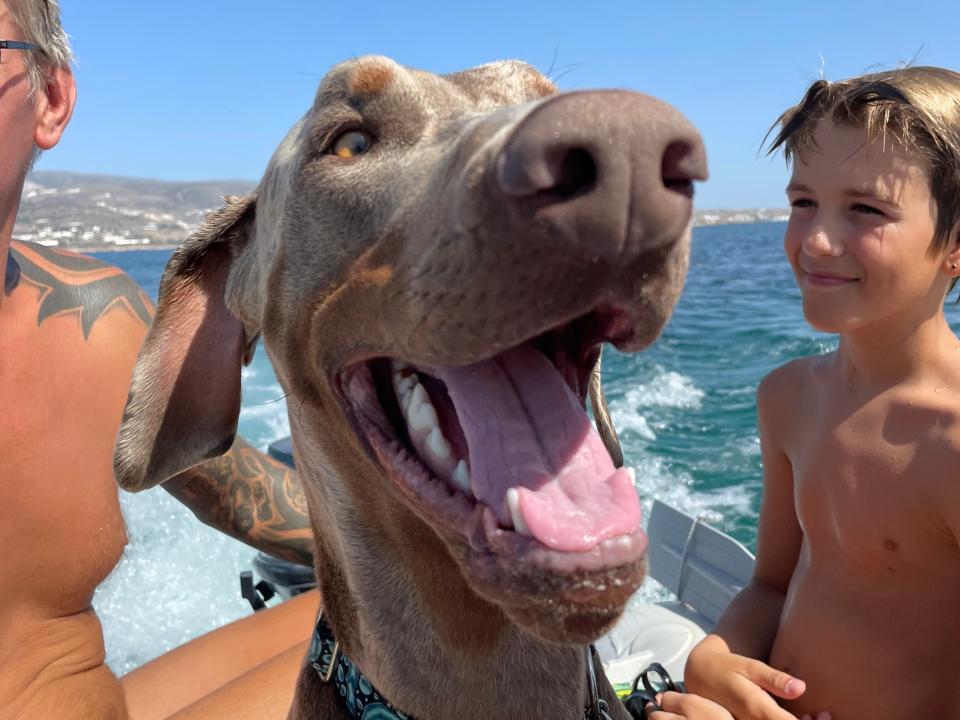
x=790 y=381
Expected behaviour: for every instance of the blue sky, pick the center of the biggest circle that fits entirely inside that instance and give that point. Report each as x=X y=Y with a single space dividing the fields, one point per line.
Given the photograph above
x=206 y=89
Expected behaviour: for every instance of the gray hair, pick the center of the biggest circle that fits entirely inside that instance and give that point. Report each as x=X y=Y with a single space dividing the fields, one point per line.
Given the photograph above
x=39 y=21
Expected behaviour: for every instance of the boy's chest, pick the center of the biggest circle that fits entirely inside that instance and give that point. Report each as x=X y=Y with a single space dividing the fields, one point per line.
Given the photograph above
x=877 y=487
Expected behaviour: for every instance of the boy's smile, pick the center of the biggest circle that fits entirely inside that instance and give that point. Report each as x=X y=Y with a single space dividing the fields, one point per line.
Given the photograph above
x=860 y=231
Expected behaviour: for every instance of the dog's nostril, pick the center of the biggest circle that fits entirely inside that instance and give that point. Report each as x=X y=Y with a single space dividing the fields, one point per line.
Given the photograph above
x=679 y=168
x=577 y=174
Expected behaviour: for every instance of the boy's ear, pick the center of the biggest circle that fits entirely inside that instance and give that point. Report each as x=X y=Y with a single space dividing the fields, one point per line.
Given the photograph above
x=951 y=263
x=184 y=398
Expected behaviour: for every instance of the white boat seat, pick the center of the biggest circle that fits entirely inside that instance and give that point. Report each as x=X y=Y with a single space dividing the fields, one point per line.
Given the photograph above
x=646 y=634
x=704 y=568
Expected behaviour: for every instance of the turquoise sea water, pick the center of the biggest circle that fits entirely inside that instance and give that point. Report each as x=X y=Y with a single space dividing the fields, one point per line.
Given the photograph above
x=685 y=411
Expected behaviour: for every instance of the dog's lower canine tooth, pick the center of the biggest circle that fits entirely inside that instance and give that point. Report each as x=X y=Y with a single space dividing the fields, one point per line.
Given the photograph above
x=461 y=477
x=513 y=503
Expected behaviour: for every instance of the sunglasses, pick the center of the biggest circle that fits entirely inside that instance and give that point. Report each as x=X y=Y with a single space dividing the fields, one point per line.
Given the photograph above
x=16 y=45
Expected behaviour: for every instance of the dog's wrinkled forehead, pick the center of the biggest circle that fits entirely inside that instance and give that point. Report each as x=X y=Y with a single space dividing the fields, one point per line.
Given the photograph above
x=369 y=81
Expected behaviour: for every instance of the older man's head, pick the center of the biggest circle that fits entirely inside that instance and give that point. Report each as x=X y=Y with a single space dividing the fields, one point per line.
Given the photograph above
x=37 y=94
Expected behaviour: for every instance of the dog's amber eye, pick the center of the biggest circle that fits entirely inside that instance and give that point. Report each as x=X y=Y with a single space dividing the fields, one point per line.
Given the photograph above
x=351 y=143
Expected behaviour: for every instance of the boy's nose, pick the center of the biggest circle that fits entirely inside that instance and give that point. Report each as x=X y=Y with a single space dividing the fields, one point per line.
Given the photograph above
x=820 y=242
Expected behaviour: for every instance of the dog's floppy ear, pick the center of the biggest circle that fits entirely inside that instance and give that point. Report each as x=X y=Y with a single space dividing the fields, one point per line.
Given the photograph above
x=184 y=399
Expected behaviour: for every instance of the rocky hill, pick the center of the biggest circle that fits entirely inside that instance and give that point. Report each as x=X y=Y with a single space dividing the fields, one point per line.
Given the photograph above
x=97 y=212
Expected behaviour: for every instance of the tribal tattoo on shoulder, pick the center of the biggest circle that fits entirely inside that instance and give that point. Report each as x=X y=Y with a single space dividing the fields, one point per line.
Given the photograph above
x=79 y=285
x=251 y=497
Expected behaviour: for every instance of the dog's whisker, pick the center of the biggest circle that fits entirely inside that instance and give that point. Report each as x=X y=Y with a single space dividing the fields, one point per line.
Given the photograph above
x=553 y=63
x=567 y=67
x=271 y=402
x=570 y=69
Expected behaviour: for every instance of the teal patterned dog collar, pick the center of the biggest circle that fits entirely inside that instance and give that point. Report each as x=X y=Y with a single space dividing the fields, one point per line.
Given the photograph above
x=362 y=699
x=365 y=703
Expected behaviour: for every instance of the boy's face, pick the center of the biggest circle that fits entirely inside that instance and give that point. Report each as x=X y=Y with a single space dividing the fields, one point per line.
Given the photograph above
x=860 y=230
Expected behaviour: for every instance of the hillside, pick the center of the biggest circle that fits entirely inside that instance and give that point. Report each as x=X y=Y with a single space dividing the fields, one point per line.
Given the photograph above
x=97 y=212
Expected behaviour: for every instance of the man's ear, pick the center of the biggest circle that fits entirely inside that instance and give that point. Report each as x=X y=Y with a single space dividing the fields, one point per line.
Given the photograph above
x=184 y=399
x=54 y=106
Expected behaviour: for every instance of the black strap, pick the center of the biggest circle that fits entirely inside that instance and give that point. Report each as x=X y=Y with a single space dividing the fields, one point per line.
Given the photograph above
x=257 y=595
x=655 y=680
x=597 y=708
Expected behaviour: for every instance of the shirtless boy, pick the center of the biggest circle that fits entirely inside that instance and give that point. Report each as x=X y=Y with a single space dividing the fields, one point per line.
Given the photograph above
x=857 y=581
x=70 y=328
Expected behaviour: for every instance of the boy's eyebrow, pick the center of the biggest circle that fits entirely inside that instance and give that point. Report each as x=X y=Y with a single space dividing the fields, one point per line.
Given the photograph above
x=859 y=193
x=871 y=195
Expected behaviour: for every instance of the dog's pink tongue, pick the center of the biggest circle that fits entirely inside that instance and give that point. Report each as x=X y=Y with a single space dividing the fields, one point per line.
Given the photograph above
x=526 y=430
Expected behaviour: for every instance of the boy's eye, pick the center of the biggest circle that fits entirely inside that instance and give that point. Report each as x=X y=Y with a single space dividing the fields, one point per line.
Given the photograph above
x=801 y=203
x=866 y=209
x=351 y=144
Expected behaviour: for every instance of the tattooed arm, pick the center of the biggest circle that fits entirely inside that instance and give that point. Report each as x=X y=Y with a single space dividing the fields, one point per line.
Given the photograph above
x=251 y=497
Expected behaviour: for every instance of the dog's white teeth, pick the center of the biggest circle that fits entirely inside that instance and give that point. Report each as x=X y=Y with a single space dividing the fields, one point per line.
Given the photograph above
x=461 y=477
x=421 y=414
x=513 y=504
x=423 y=428
x=404 y=382
x=633 y=475
x=404 y=385
x=437 y=444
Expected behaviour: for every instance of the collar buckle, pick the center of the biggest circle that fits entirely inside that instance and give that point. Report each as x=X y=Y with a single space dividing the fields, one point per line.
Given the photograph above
x=324 y=650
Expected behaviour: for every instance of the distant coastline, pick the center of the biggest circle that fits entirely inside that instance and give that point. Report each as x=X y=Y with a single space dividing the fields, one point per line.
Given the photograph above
x=714 y=217
x=106 y=248
x=104 y=213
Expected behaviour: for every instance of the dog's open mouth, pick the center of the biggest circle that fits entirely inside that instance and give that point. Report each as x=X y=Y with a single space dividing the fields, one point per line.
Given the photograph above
x=503 y=451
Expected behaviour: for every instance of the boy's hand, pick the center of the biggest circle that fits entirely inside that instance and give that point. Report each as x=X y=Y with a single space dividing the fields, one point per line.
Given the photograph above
x=685 y=706
x=742 y=685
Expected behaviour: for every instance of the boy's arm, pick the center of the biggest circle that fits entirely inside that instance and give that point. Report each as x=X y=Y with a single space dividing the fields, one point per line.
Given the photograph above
x=251 y=497
x=750 y=623
x=728 y=666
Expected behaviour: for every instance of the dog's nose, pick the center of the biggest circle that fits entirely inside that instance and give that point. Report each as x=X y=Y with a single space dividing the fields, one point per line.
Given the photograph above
x=590 y=159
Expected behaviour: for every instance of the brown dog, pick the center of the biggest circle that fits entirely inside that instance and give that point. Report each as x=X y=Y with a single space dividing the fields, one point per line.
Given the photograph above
x=434 y=263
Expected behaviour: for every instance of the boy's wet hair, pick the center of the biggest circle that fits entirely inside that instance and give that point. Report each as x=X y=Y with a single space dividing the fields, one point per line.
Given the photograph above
x=919 y=107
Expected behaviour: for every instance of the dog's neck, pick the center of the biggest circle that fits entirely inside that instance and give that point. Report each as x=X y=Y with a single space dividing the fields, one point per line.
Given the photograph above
x=407 y=619
x=359 y=695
